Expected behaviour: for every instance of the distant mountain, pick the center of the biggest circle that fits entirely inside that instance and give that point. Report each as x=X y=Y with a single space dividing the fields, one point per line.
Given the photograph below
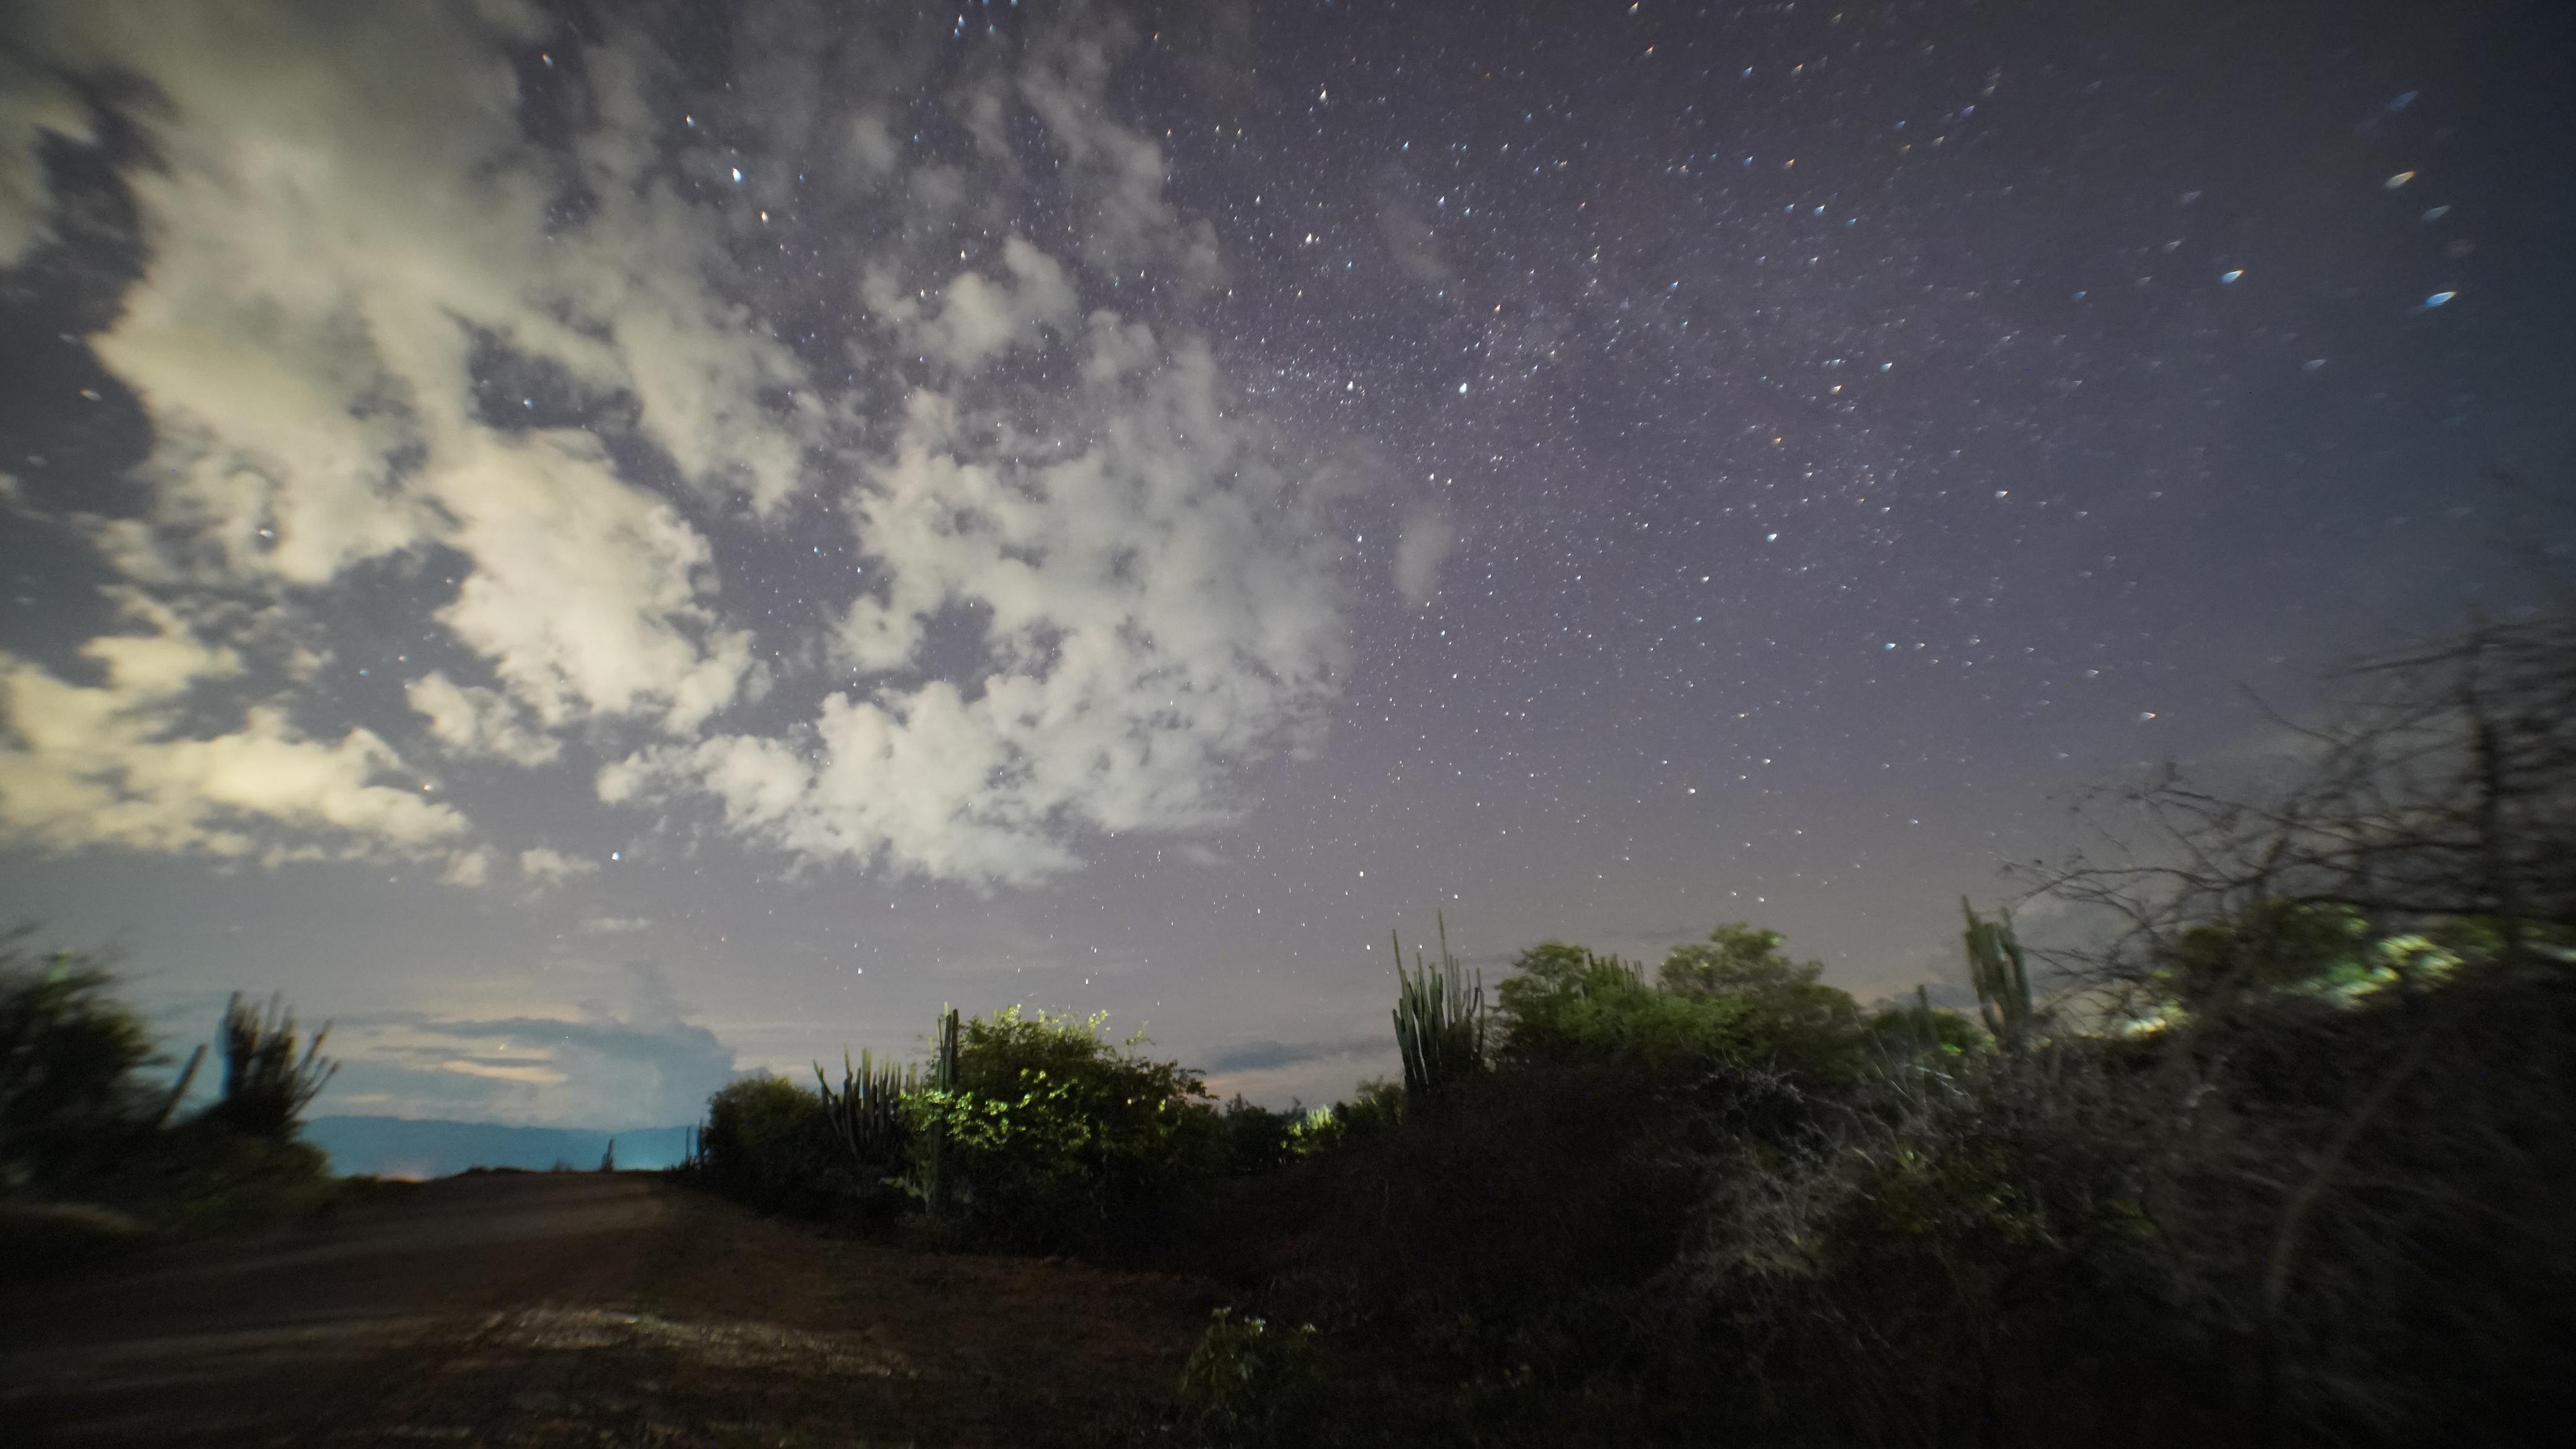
x=406 y=1147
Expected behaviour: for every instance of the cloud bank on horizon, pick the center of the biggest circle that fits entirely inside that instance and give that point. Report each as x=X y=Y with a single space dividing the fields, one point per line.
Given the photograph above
x=451 y=319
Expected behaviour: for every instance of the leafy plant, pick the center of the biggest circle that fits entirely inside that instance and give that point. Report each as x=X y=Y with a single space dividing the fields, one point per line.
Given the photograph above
x=1051 y=1134
x=1733 y=999
x=1253 y=1383
x=769 y=1142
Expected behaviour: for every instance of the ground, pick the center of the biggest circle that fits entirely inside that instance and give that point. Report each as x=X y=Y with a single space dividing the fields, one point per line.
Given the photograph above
x=546 y=1309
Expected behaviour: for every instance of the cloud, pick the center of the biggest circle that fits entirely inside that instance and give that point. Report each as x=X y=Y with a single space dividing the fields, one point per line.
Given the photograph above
x=476 y=721
x=1265 y=1056
x=468 y=868
x=614 y=925
x=610 y=624
x=597 y=1069
x=34 y=107
x=518 y=355
x=980 y=318
x=545 y=866
x=119 y=763
x=1422 y=548
x=1116 y=172
x=1405 y=225
x=1150 y=611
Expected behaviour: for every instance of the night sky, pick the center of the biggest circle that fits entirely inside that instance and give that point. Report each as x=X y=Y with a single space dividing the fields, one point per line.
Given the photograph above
x=602 y=546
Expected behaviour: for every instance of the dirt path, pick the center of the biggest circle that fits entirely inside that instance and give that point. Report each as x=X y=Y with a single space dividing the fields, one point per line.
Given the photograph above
x=564 y=1309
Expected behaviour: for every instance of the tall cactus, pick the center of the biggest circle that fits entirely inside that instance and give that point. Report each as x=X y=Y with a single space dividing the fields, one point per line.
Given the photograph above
x=1439 y=1020
x=1996 y=969
x=943 y=1080
x=867 y=1112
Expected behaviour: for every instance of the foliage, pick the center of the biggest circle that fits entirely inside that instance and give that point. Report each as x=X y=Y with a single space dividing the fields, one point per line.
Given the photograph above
x=770 y=1143
x=1733 y=999
x=1253 y=1139
x=266 y=1085
x=1924 y=1034
x=1374 y=1108
x=1252 y=1383
x=1053 y=1135
x=68 y=1054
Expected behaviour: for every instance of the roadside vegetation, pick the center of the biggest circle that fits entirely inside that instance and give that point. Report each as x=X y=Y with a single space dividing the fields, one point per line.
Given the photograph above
x=97 y=1156
x=2274 y=1144
x=2274 y=1147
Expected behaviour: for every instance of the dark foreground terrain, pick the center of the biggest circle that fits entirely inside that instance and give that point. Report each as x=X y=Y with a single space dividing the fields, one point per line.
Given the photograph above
x=562 y=1309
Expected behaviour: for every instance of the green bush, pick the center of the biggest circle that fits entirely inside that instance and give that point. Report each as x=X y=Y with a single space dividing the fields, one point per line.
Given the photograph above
x=1055 y=1137
x=1731 y=1000
x=769 y=1142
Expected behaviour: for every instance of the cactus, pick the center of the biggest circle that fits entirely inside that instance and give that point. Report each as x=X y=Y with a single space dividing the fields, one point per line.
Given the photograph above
x=867 y=1111
x=1996 y=969
x=943 y=1079
x=1439 y=1020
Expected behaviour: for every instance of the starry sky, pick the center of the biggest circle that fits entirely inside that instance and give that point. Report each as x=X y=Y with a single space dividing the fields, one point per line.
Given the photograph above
x=605 y=546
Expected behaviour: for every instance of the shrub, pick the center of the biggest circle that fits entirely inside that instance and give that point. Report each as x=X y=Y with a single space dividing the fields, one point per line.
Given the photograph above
x=266 y=1085
x=769 y=1142
x=1053 y=1137
x=1733 y=999
x=68 y=1053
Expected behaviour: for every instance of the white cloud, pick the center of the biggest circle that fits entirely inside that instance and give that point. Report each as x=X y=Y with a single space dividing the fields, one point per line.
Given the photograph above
x=1423 y=547
x=544 y=866
x=1151 y=615
x=1116 y=171
x=591 y=1066
x=347 y=222
x=980 y=318
x=586 y=591
x=476 y=721
x=118 y=763
x=468 y=868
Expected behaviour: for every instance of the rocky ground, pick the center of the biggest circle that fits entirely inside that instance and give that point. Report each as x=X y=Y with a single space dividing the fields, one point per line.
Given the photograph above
x=583 y=1309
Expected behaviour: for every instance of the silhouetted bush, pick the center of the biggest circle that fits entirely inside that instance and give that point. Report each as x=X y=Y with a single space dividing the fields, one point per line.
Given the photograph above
x=267 y=1085
x=769 y=1142
x=1055 y=1137
x=68 y=1054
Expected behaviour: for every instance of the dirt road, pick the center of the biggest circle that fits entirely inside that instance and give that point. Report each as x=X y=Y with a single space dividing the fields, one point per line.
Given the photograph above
x=583 y=1309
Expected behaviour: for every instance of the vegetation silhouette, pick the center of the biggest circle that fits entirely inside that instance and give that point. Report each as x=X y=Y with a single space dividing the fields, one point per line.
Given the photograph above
x=96 y=1159
x=2271 y=1145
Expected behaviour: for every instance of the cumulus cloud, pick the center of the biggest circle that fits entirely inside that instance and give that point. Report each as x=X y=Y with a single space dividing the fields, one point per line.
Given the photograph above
x=477 y=721
x=543 y=865
x=1148 y=611
x=357 y=227
x=978 y=318
x=125 y=763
